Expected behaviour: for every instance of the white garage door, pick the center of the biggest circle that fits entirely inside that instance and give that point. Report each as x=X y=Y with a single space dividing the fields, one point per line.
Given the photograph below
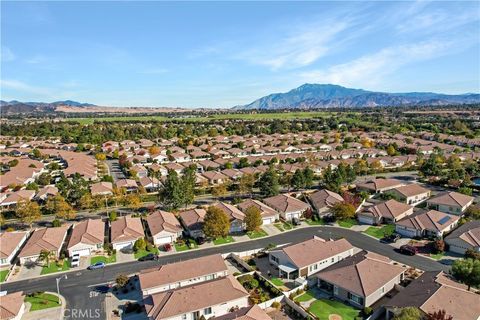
x=366 y=220
x=81 y=252
x=124 y=245
x=268 y=220
x=163 y=240
x=406 y=232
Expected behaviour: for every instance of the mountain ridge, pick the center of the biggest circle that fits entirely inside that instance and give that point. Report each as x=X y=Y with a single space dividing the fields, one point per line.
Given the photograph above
x=310 y=96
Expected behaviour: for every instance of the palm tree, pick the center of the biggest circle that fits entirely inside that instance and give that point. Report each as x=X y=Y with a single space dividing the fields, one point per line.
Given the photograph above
x=46 y=256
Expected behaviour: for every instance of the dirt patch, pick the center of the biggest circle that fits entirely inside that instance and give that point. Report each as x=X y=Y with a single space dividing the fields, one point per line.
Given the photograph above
x=334 y=317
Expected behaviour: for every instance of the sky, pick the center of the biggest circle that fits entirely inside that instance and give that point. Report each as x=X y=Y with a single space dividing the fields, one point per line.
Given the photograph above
x=222 y=54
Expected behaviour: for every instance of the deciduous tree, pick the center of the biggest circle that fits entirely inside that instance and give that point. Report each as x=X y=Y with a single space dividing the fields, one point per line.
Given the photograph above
x=28 y=212
x=253 y=218
x=216 y=223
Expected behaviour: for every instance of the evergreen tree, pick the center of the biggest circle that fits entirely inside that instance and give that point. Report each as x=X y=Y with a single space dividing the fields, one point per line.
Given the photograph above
x=171 y=195
x=268 y=183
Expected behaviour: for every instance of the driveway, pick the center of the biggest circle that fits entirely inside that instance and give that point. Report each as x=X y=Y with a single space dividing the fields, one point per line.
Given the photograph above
x=114 y=169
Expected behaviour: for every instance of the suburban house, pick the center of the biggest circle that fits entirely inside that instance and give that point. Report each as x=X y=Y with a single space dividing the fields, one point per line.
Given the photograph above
x=44 y=193
x=428 y=224
x=212 y=298
x=465 y=237
x=434 y=291
x=87 y=237
x=192 y=221
x=268 y=214
x=289 y=207
x=384 y=213
x=253 y=312
x=50 y=239
x=323 y=200
x=13 y=198
x=412 y=194
x=150 y=184
x=102 y=188
x=182 y=274
x=236 y=216
x=10 y=244
x=215 y=177
x=125 y=231
x=450 y=202
x=379 y=185
x=128 y=184
x=164 y=227
x=361 y=279
x=308 y=257
x=12 y=306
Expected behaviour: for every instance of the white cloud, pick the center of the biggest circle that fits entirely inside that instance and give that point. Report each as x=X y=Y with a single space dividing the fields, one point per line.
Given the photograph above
x=297 y=49
x=7 y=54
x=370 y=70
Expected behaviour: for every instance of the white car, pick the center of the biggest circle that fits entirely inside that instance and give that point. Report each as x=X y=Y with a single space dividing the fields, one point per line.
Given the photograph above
x=75 y=260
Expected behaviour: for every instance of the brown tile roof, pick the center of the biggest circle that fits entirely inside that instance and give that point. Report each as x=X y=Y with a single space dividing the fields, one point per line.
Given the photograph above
x=285 y=203
x=182 y=270
x=193 y=219
x=50 y=239
x=126 y=228
x=434 y=291
x=10 y=305
x=248 y=313
x=362 y=274
x=232 y=212
x=468 y=232
x=451 y=199
x=266 y=211
x=325 y=198
x=378 y=184
x=9 y=241
x=388 y=209
x=90 y=232
x=431 y=220
x=171 y=303
x=310 y=251
x=159 y=221
x=410 y=190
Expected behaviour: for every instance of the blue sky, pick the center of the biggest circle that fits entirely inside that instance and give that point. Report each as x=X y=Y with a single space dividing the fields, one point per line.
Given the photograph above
x=221 y=54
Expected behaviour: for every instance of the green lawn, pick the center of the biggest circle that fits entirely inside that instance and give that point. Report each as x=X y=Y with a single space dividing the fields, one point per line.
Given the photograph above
x=318 y=222
x=437 y=256
x=3 y=275
x=52 y=268
x=257 y=234
x=380 y=232
x=228 y=239
x=143 y=253
x=324 y=308
x=309 y=295
x=184 y=247
x=347 y=223
x=279 y=226
x=42 y=301
x=276 y=281
x=106 y=260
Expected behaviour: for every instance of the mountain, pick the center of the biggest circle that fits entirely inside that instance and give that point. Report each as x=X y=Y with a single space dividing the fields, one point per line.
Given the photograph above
x=309 y=96
x=14 y=106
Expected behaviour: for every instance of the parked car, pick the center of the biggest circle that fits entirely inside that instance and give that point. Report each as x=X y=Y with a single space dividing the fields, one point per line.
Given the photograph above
x=98 y=265
x=200 y=240
x=75 y=262
x=408 y=249
x=295 y=222
x=167 y=247
x=148 y=257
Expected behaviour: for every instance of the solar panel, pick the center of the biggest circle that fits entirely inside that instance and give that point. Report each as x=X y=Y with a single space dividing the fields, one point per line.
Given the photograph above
x=444 y=220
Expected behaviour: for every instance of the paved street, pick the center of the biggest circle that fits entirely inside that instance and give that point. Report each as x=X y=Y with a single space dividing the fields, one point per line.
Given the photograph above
x=114 y=169
x=78 y=288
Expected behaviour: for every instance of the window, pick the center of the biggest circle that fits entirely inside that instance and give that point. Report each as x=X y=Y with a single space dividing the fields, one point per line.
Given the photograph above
x=333 y=259
x=383 y=289
x=207 y=311
x=184 y=317
x=355 y=298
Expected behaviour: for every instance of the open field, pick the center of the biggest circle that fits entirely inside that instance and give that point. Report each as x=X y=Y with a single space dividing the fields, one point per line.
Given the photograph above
x=226 y=116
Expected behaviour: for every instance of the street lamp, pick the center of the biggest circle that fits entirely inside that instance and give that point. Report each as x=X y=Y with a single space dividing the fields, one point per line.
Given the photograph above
x=58 y=289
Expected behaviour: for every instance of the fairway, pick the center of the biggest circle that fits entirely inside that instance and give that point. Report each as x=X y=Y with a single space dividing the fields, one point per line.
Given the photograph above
x=226 y=116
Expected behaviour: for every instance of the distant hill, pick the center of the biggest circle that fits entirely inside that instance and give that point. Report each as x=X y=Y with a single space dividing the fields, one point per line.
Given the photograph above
x=11 y=107
x=309 y=96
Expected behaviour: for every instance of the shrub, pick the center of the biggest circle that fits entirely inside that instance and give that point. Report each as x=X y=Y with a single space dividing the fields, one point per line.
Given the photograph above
x=276 y=305
x=149 y=246
x=367 y=311
x=122 y=280
x=56 y=223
